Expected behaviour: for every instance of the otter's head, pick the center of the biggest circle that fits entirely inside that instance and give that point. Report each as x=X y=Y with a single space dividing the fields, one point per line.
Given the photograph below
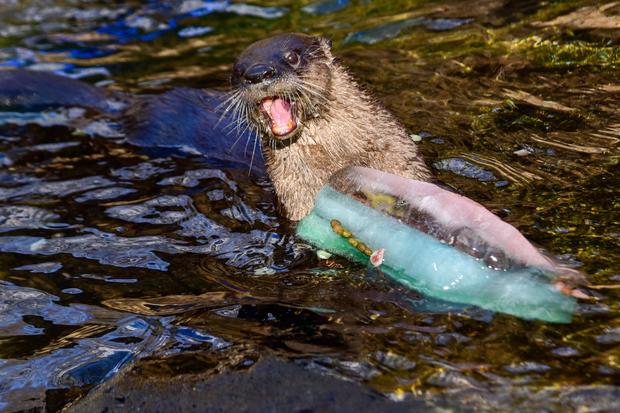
x=281 y=84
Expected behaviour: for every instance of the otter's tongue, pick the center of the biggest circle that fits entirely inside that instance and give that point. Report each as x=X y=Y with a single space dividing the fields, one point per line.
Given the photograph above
x=279 y=112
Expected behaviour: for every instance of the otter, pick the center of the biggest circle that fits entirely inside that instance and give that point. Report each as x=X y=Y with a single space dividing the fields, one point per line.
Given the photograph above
x=314 y=119
x=288 y=92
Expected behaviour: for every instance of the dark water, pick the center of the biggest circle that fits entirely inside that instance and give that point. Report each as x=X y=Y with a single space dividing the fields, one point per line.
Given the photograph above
x=112 y=255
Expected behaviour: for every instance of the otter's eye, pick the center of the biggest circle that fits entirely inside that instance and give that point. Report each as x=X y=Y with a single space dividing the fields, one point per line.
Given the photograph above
x=292 y=58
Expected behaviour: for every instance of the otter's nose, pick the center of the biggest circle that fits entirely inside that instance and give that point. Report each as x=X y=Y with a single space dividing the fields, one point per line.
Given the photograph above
x=258 y=73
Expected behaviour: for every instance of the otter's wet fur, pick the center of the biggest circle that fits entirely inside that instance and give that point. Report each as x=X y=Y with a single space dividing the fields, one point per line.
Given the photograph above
x=341 y=124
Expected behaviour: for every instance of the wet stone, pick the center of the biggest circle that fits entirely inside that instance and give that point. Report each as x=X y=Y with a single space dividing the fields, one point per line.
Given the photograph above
x=267 y=385
x=611 y=335
x=565 y=352
x=415 y=337
x=447 y=339
x=464 y=168
x=362 y=370
x=394 y=361
x=451 y=379
x=527 y=367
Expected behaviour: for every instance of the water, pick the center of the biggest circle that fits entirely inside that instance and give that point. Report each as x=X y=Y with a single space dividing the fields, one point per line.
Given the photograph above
x=110 y=254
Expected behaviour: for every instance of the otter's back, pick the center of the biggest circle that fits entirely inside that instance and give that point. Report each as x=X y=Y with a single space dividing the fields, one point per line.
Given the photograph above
x=191 y=120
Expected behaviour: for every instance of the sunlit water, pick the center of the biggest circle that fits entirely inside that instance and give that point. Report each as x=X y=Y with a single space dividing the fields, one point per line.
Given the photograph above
x=111 y=254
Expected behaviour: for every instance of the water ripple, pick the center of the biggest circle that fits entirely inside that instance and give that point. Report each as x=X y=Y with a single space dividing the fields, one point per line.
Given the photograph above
x=27 y=217
x=17 y=302
x=163 y=210
x=57 y=188
x=143 y=170
x=113 y=192
x=192 y=178
x=43 y=267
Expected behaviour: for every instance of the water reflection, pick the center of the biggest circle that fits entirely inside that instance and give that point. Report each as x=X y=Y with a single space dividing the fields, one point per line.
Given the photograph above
x=86 y=355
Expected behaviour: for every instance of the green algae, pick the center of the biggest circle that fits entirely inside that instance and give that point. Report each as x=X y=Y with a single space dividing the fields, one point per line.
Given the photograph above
x=556 y=53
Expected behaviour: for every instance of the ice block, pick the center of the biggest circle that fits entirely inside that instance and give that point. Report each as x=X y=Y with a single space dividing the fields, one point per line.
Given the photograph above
x=437 y=242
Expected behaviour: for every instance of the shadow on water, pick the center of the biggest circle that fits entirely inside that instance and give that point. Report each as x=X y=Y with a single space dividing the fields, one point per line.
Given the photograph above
x=111 y=255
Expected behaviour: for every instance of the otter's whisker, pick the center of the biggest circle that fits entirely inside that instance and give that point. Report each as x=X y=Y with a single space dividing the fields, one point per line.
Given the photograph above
x=245 y=150
x=233 y=97
x=235 y=142
x=243 y=122
x=238 y=121
x=311 y=89
x=230 y=103
x=253 y=152
x=240 y=132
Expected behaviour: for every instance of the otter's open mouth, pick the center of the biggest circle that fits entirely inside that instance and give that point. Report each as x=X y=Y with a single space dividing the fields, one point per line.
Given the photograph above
x=280 y=114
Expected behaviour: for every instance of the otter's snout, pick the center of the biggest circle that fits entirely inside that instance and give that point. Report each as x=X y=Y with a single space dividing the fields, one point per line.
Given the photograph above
x=259 y=73
x=281 y=83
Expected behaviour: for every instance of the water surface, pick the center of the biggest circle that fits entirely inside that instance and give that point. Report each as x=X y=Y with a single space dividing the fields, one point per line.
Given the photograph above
x=111 y=254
